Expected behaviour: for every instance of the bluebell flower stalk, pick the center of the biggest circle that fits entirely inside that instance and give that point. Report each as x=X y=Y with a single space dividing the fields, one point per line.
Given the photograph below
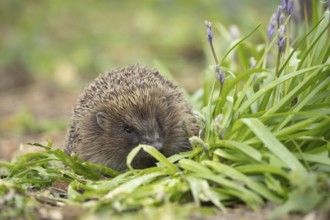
x=210 y=34
x=209 y=31
x=221 y=76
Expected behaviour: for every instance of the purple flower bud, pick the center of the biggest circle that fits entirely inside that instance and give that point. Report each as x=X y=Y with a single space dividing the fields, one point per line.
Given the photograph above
x=290 y=7
x=271 y=27
x=281 y=38
x=209 y=31
x=281 y=44
x=284 y=5
x=278 y=13
x=221 y=76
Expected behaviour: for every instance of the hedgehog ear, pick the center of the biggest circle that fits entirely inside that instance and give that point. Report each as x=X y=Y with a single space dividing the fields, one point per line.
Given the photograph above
x=164 y=99
x=100 y=118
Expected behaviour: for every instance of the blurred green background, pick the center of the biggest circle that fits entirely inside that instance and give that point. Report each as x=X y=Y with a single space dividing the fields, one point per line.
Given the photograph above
x=84 y=38
x=50 y=49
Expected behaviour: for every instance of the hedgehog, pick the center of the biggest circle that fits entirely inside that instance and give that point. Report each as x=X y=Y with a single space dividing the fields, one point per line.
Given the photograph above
x=124 y=108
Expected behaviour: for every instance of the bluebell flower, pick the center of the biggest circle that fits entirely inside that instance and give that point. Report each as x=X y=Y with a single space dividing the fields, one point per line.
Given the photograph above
x=281 y=39
x=290 y=7
x=287 y=6
x=278 y=14
x=209 y=31
x=284 y=5
x=271 y=27
x=221 y=76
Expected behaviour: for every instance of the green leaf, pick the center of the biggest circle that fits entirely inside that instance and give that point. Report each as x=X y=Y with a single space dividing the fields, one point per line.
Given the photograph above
x=131 y=185
x=274 y=145
x=236 y=175
x=241 y=146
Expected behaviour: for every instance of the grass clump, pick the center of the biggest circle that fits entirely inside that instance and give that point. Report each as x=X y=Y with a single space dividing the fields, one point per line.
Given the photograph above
x=265 y=139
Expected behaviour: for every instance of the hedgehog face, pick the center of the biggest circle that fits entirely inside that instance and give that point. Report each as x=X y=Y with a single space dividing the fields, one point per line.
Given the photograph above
x=118 y=136
x=134 y=131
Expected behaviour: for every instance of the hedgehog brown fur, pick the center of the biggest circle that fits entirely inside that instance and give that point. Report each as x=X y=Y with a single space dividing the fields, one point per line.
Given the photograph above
x=127 y=107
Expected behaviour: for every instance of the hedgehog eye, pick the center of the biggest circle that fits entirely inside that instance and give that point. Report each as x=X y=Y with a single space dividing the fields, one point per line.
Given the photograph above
x=128 y=130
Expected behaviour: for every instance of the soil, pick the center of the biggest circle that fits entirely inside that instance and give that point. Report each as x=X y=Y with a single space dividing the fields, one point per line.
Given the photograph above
x=43 y=101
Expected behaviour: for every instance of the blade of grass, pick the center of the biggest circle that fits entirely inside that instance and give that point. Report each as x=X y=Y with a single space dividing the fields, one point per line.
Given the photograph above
x=200 y=171
x=243 y=147
x=276 y=82
x=236 y=175
x=322 y=85
x=131 y=185
x=274 y=145
x=261 y=169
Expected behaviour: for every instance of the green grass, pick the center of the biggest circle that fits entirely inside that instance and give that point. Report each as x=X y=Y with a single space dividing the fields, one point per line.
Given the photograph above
x=266 y=139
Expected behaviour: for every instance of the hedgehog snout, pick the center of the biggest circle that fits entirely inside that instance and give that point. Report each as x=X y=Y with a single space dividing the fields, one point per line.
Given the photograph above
x=154 y=141
x=157 y=145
